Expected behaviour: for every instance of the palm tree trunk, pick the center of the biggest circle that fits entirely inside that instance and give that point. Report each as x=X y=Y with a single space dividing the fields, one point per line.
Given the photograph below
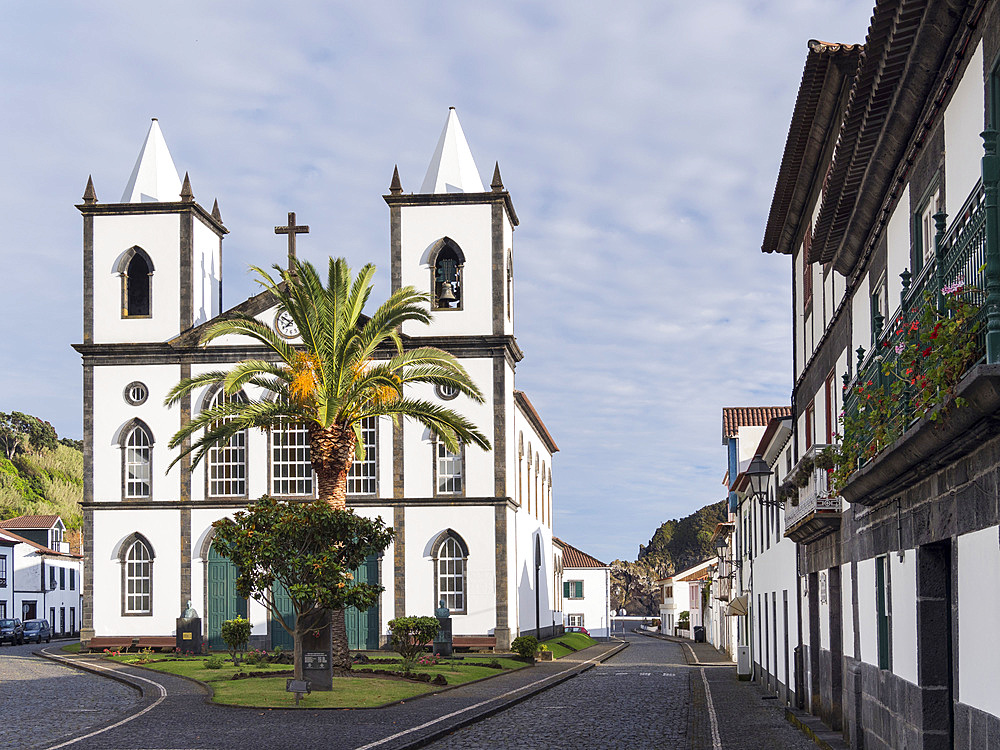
x=332 y=452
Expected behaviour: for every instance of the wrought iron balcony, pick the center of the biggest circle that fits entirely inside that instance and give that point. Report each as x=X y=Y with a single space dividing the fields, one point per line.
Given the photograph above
x=880 y=401
x=817 y=512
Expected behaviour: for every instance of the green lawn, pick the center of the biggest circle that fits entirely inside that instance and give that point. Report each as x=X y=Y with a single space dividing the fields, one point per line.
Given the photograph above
x=576 y=642
x=348 y=692
x=71 y=648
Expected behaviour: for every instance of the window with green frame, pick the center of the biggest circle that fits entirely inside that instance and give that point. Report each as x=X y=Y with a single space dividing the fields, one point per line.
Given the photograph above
x=882 y=612
x=923 y=229
x=572 y=589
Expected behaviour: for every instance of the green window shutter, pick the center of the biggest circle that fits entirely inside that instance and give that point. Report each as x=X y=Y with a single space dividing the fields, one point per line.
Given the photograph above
x=566 y=594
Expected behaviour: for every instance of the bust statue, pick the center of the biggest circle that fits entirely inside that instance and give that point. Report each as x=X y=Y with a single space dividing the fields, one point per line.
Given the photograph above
x=442 y=612
x=189 y=613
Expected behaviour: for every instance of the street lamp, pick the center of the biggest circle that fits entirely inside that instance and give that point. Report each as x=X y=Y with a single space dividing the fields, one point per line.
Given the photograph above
x=759 y=475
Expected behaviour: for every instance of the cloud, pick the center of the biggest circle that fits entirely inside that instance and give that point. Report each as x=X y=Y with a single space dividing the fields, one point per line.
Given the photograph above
x=640 y=145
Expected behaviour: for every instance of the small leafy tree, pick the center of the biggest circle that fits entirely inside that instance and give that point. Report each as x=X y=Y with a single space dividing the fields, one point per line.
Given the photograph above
x=525 y=646
x=410 y=636
x=311 y=549
x=21 y=432
x=683 y=620
x=236 y=635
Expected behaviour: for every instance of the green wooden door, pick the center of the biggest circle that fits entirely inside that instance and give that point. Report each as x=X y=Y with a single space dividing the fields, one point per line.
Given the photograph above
x=363 y=627
x=223 y=601
x=279 y=636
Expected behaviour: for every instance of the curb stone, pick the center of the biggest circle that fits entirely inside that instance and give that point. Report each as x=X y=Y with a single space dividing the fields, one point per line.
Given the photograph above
x=84 y=667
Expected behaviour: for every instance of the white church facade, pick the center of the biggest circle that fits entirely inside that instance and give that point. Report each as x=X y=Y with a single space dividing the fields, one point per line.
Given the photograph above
x=474 y=529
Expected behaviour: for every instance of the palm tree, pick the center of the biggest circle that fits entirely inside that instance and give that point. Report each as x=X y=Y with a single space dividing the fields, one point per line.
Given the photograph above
x=347 y=368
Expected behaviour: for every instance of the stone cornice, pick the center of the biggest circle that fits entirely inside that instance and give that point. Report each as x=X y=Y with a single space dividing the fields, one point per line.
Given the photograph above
x=153 y=207
x=455 y=199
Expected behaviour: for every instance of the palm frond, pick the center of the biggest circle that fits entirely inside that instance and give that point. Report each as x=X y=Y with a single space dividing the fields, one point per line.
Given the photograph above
x=447 y=424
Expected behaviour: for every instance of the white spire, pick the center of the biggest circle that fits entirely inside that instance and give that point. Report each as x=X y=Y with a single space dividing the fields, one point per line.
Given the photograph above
x=452 y=168
x=154 y=177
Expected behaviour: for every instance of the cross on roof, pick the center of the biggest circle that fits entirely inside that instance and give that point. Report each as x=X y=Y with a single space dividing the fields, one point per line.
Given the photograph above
x=291 y=230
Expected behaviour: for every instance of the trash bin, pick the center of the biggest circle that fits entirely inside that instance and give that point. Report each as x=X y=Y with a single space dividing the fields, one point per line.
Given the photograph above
x=699 y=634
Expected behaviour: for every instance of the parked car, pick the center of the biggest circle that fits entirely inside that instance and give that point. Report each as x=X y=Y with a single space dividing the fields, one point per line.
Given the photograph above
x=11 y=630
x=577 y=629
x=36 y=630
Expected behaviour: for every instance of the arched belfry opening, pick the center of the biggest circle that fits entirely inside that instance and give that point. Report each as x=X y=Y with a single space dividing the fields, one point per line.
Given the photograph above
x=136 y=271
x=447 y=261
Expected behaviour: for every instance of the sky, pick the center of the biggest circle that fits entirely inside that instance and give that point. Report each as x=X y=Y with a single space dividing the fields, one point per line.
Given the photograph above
x=640 y=144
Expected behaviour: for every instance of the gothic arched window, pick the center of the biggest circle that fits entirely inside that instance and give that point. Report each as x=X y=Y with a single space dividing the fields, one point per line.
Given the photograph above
x=137 y=576
x=137 y=460
x=446 y=261
x=136 y=271
x=227 y=465
x=450 y=567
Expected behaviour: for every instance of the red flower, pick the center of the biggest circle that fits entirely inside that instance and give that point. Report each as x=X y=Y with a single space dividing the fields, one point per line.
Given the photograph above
x=926 y=351
x=934 y=333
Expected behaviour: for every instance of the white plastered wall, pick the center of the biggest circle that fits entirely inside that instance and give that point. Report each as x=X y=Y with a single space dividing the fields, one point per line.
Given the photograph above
x=159 y=236
x=861 y=314
x=206 y=272
x=470 y=226
x=903 y=574
x=898 y=251
x=594 y=605
x=162 y=529
x=847 y=609
x=111 y=412
x=963 y=122
x=867 y=623
x=978 y=615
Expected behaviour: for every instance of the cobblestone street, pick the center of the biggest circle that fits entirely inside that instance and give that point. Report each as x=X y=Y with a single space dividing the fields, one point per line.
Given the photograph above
x=42 y=702
x=646 y=696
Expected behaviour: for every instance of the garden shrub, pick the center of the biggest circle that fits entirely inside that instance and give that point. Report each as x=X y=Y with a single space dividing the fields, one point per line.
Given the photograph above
x=525 y=646
x=236 y=634
x=410 y=636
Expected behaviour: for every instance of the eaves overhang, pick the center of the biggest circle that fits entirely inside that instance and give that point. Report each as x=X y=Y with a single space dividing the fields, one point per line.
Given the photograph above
x=904 y=56
x=828 y=72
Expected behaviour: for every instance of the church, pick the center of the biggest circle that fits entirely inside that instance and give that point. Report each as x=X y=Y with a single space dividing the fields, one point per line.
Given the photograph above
x=473 y=528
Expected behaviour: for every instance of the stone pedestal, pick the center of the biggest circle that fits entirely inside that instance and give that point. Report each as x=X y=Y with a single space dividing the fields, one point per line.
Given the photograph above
x=189 y=640
x=317 y=656
x=442 y=641
x=503 y=639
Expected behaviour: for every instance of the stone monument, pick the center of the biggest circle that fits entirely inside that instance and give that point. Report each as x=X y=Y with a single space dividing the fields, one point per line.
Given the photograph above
x=189 y=635
x=442 y=641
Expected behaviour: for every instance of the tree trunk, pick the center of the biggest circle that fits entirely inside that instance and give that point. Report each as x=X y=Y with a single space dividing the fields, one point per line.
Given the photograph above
x=332 y=451
x=338 y=639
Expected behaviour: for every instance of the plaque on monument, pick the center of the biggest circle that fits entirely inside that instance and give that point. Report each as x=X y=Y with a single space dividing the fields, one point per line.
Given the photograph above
x=316 y=660
x=317 y=652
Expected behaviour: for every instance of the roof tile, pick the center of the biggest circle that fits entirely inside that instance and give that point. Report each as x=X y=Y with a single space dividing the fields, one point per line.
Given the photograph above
x=734 y=417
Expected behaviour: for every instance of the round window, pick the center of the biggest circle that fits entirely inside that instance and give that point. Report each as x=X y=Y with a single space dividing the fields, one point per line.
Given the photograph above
x=136 y=393
x=447 y=392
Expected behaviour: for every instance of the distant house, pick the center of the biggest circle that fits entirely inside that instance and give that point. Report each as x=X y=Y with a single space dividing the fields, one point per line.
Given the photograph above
x=586 y=591
x=48 y=531
x=681 y=592
x=42 y=581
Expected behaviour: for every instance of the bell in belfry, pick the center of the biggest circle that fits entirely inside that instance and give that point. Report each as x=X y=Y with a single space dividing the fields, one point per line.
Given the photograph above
x=447 y=295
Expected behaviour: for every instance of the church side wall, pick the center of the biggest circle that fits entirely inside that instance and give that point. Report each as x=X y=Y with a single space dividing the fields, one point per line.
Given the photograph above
x=206 y=273
x=112 y=412
x=162 y=529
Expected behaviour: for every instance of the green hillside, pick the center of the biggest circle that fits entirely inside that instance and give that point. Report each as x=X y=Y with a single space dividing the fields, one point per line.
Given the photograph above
x=39 y=473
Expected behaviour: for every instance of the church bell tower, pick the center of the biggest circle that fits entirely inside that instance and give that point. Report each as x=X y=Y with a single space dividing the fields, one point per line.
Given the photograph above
x=454 y=240
x=153 y=261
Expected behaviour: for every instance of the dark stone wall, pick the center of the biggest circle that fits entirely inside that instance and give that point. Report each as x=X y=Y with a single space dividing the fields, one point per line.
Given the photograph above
x=975 y=728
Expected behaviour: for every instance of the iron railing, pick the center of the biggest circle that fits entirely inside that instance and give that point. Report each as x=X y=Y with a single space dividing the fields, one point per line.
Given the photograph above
x=966 y=257
x=815 y=496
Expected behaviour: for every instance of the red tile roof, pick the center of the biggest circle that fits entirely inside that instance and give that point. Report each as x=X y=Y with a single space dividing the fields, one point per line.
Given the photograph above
x=574 y=558
x=4 y=534
x=30 y=522
x=734 y=417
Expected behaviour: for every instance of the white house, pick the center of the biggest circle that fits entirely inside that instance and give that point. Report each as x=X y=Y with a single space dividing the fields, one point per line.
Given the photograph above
x=44 y=583
x=886 y=206
x=473 y=529
x=586 y=591
x=682 y=592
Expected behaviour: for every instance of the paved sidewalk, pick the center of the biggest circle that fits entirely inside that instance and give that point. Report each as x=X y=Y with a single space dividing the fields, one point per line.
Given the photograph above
x=185 y=718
